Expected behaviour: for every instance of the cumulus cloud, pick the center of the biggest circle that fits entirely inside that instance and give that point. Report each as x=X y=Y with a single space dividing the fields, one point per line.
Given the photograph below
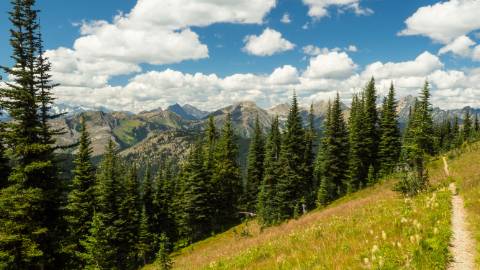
x=444 y=21
x=148 y=34
x=326 y=74
x=460 y=46
x=314 y=50
x=284 y=75
x=423 y=65
x=268 y=43
x=332 y=65
x=319 y=8
x=286 y=18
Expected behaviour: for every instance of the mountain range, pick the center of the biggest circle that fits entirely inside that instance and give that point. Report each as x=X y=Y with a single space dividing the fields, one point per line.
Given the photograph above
x=169 y=132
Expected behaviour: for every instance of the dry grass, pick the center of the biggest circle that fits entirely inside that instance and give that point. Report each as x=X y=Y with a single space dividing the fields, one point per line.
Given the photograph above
x=372 y=229
x=465 y=169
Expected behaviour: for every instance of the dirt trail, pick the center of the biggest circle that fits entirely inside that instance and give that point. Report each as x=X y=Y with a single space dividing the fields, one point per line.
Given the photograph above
x=462 y=246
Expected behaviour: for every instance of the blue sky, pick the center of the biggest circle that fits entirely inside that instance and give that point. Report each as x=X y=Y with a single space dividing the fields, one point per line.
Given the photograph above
x=371 y=26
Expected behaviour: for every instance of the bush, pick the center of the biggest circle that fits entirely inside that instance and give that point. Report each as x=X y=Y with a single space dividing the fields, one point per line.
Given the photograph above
x=412 y=182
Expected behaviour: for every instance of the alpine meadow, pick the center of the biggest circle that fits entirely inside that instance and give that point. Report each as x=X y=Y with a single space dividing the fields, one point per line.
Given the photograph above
x=239 y=134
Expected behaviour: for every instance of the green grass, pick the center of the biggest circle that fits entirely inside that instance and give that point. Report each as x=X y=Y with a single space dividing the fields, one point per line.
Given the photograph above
x=465 y=169
x=374 y=228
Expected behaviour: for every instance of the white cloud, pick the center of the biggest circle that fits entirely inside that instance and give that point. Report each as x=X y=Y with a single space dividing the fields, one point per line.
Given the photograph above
x=444 y=21
x=352 y=48
x=286 y=18
x=325 y=75
x=331 y=65
x=268 y=43
x=460 y=46
x=476 y=53
x=314 y=50
x=284 y=75
x=423 y=65
x=152 y=32
x=319 y=8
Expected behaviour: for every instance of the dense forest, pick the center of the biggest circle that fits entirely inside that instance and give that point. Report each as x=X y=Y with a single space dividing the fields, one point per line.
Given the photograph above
x=115 y=216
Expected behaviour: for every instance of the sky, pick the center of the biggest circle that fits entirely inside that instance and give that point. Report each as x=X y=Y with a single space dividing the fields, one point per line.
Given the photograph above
x=138 y=55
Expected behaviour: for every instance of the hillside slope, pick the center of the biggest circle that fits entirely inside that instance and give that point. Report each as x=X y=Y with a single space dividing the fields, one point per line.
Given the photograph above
x=374 y=228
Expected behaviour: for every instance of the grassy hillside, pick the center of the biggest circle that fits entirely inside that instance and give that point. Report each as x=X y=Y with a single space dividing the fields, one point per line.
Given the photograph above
x=465 y=170
x=371 y=229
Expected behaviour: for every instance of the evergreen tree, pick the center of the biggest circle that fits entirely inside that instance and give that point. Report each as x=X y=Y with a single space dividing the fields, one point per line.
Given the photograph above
x=147 y=194
x=194 y=213
x=226 y=179
x=80 y=201
x=357 y=168
x=334 y=156
x=210 y=145
x=390 y=146
x=456 y=137
x=255 y=167
x=163 y=260
x=425 y=121
x=291 y=187
x=128 y=220
x=30 y=201
x=163 y=199
x=144 y=245
x=267 y=208
x=476 y=124
x=4 y=162
x=309 y=160
x=467 y=125
x=98 y=254
x=102 y=244
x=371 y=127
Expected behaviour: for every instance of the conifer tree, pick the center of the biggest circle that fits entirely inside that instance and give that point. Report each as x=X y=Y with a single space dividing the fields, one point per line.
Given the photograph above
x=194 y=213
x=144 y=245
x=467 y=125
x=163 y=260
x=30 y=202
x=390 y=146
x=226 y=177
x=291 y=187
x=4 y=166
x=357 y=168
x=210 y=145
x=255 y=167
x=80 y=200
x=102 y=244
x=147 y=194
x=456 y=135
x=370 y=125
x=309 y=160
x=163 y=198
x=128 y=220
x=476 y=124
x=267 y=208
x=425 y=121
x=333 y=156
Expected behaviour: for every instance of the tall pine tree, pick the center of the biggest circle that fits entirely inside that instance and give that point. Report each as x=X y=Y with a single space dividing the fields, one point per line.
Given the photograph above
x=467 y=125
x=30 y=201
x=291 y=187
x=357 y=165
x=371 y=126
x=390 y=145
x=256 y=156
x=102 y=244
x=267 y=208
x=226 y=178
x=80 y=201
x=309 y=160
x=194 y=213
x=334 y=156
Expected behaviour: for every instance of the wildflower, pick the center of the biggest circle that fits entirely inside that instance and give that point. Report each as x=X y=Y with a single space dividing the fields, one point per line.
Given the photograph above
x=384 y=235
x=375 y=248
x=435 y=230
x=366 y=260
